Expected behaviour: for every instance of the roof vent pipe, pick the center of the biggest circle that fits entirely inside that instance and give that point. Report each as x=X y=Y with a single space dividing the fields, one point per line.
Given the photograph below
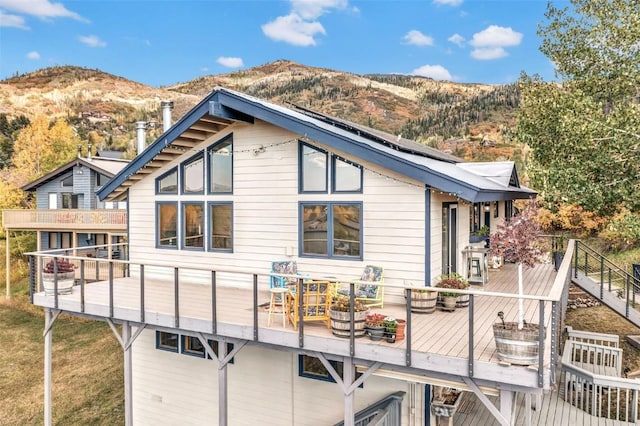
x=167 y=106
x=89 y=151
x=141 y=127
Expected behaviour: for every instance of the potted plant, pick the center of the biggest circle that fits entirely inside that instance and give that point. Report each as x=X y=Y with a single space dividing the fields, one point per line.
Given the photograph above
x=445 y=402
x=374 y=323
x=390 y=328
x=340 y=313
x=451 y=300
x=479 y=235
x=58 y=272
x=423 y=300
x=518 y=241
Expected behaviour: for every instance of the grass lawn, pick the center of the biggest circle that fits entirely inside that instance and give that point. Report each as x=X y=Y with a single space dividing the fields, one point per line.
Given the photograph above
x=87 y=386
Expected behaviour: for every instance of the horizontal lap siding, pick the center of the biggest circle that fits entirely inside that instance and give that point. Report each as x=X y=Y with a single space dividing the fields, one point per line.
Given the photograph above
x=263 y=388
x=266 y=209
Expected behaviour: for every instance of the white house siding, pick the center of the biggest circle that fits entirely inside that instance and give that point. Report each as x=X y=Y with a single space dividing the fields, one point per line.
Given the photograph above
x=265 y=209
x=263 y=388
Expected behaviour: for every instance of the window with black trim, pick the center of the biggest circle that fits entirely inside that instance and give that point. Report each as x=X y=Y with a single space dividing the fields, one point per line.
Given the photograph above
x=313 y=169
x=220 y=156
x=101 y=179
x=193 y=219
x=69 y=200
x=347 y=176
x=508 y=209
x=331 y=229
x=167 y=341
x=167 y=183
x=67 y=182
x=312 y=368
x=221 y=226
x=193 y=175
x=167 y=222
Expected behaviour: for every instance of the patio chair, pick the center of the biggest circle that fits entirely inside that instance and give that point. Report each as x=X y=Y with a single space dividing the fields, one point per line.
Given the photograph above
x=316 y=299
x=371 y=293
x=284 y=267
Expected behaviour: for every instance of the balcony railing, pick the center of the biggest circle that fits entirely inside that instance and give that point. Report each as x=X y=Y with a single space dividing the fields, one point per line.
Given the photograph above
x=226 y=302
x=103 y=219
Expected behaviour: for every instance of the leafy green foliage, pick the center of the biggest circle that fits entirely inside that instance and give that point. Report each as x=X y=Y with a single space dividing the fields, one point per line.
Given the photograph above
x=623 y=231
x=583 y=132
x=8 y=131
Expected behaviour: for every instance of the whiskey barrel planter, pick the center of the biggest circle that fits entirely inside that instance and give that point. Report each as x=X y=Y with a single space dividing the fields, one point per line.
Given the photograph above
x=65 y=282
x=341 y=323
x=423 y=301
x=518 y=347
x=462 y=301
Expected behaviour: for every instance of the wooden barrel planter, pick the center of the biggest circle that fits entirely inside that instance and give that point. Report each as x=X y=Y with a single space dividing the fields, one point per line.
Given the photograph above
x=518 y=347
x=341 y=323
x=423 y=301
x=65 y=282
x=462 y=301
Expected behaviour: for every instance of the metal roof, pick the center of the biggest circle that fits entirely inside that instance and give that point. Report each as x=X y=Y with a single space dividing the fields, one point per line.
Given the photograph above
x=106 y=166
x=222 y=107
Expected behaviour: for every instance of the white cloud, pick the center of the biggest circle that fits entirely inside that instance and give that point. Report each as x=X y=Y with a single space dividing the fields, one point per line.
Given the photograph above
x=416 y=38
x=33 y=55
x=488 y=53
x=294 y=30
x=312 y=9
x=495 y=36
x=40 y=8
x=92 y=41
x=300 y=27
x=448 y=2
x=457 y=39
x=436 y=72
x=490 y=42
x=13 y=21
x=230 y=62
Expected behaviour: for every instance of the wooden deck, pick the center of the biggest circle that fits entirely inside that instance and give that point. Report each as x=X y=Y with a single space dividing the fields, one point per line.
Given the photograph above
x=439 y=341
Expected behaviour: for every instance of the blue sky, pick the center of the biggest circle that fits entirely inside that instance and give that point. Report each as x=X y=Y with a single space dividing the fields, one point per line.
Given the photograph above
x=170 y=41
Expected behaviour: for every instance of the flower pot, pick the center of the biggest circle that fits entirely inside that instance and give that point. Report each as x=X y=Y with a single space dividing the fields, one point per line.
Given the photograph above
x=65 y=282
x=446 y=404
x=519 y=347
x=423 y=302
x=375 y=332
x=448 y=303
x=391 y=337
x=400 y=330
x=341 y=323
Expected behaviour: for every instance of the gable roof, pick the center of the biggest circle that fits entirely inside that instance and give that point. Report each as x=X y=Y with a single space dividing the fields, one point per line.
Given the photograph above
x=222 y=107
x=107 y=167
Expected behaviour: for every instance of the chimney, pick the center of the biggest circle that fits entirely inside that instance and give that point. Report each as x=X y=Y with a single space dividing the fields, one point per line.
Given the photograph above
x=79 y=150
x=141 y=127
x=89 y=151
x=167 y=106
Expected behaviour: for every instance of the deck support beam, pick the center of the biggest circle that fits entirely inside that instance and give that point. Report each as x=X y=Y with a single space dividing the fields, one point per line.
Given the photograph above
x=222 y=385
x=8 y=263
x=50 y=317
x=126 y=339
x=498 y=414
x=506 y=406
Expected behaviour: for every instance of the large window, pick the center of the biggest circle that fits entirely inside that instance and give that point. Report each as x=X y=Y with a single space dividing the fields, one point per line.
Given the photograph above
x=167 y=183
x=193 y=219
x=193 y=175
x=167 y=222
x=331 y=229
x=69 y=201
x=167 y=341
x=221 y=226
x=313 y=169
x=312 y=368
x=221 y=167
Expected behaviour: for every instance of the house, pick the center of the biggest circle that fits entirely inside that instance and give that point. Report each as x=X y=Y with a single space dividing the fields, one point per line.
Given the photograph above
x=239 y=182
x=68 y=215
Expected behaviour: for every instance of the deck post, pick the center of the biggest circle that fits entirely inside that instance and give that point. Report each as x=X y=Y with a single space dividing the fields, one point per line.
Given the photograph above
x=349 y=374
x=47 y=366
x=222 y=383
x=128 y=383
x=506 y=403
x=8 y=264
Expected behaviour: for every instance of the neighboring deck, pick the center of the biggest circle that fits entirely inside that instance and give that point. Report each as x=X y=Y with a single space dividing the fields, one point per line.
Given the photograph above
x=439 y=342
x=66 y=219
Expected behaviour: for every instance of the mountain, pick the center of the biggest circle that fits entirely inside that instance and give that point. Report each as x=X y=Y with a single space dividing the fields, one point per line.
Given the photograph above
x=470 y=120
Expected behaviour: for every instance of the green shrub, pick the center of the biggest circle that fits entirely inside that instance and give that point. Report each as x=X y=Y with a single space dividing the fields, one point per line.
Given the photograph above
x=622 y=232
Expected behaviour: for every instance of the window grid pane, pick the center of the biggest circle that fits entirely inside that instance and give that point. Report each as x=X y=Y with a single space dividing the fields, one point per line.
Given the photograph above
x=221 y=227
x=193 y=175
x=348 y=177
x=346 y=230
x=221 y=168
x=193 y=225
x=167 y=221
x=315 y=238
x=314 y=170
x=168 y=184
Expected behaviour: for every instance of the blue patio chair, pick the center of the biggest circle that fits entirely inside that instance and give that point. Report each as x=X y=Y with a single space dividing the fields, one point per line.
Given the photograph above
x=370 y=293
x=284 y=267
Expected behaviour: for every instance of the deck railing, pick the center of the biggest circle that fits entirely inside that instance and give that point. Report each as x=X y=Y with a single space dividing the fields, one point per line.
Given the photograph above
x=108 y=219
x=386 y=412
x=257 y=281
